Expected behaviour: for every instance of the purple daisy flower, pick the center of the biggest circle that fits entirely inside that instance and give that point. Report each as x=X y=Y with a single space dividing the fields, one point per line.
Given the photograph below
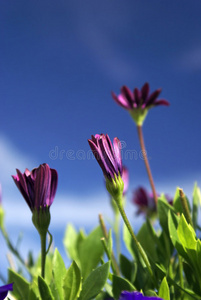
x=38 y=187
x=107 y=155
x=138 y=98
x=145 y=201
x=4 y=290
x=136 y=296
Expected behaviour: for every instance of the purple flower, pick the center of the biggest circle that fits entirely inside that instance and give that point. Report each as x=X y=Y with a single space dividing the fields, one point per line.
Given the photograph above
x=38 y=187
x=138 y=98
x=125 y=178
x=107 y=155
x=136 y=296
x=4 y=290
x=145 y=201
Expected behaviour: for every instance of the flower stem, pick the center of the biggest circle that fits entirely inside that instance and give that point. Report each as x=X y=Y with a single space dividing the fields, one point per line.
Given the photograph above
x=139 y=247
x=117 y=234
x=43 y=253
x=109 y=256
x=104 y=230
x=144 y=153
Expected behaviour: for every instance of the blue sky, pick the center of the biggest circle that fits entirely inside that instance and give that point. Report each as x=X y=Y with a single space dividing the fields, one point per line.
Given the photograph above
x=59 y=62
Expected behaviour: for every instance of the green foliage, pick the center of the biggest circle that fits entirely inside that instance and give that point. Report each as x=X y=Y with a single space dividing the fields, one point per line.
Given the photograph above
x=121 y=284
x=95 y=282
x=164 y=292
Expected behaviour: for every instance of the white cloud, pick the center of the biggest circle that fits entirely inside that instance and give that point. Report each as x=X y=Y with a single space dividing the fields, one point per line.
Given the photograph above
x=10 y=158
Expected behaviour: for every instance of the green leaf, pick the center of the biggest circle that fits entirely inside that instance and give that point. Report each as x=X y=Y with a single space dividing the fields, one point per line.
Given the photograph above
x=128 y=268
x=72 y=241
x=128 y=241
x=95 y=282
x=163 y=207
x=164 y=291
x=32 y=295
x=109 y=241
x=72 y=282
x=21 y=286
x=90 y=251
x=186 y=234
x=59 y=272
x=196 y=203
x=44 y=289
x=147 y=242
x=120 y=284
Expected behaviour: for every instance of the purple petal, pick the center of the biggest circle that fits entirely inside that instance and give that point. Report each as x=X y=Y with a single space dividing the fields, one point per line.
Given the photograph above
x=100 y=159
x=136 y=296
x=137 y=95
x=117 y=150
x=161 y=102
x=125 y=178
x=145 y=91
x=121 y=101
x=22 y=186
x=4 y=290
x=42 y=185
x=128 y=95
x=153 y=97
x=53 y=186
x=107 y=155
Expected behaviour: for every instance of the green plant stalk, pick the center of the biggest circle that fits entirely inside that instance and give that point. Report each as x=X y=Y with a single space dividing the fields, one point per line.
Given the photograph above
x=43 y=253
x=109 y=255
x=185 y=207
x=144 y=153
x=181 y=275
x=117 y=233
x=139 y=247
x=104 y=230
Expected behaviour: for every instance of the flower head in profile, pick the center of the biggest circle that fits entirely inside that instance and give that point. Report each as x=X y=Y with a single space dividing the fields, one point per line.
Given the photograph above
x=139 y=102
x=145 y=202
x=108 y=156
x=136 y=296
x=38 y=187
x=4 y=290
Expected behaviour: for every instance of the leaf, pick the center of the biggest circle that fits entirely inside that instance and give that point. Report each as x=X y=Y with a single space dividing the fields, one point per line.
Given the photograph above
x=59 y=272
x=147 y=242
x=72 y=241
x=128 y=241
x=90 y=251
x=44 y=289
x=163 y=207
x=164 y=292
x=120 y=284
x=72 y=282
x=21 y=286
x=196 y=203
x=128 y=268
x=186 y=234
x=32 y=295
x=109 y=241
x=95 y=282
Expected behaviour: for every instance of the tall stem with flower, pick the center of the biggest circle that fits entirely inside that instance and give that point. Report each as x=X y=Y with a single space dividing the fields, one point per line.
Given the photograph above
x=138 y=104
x=38 y=188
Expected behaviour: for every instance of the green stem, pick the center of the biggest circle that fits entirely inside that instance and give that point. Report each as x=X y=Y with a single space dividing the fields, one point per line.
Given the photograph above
x=43 y=253
x=144 y=153
x=139 y=247
x=117 y=233
x=104 y=230
x=109 y=256
x=185 y=207
x=181 y=275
